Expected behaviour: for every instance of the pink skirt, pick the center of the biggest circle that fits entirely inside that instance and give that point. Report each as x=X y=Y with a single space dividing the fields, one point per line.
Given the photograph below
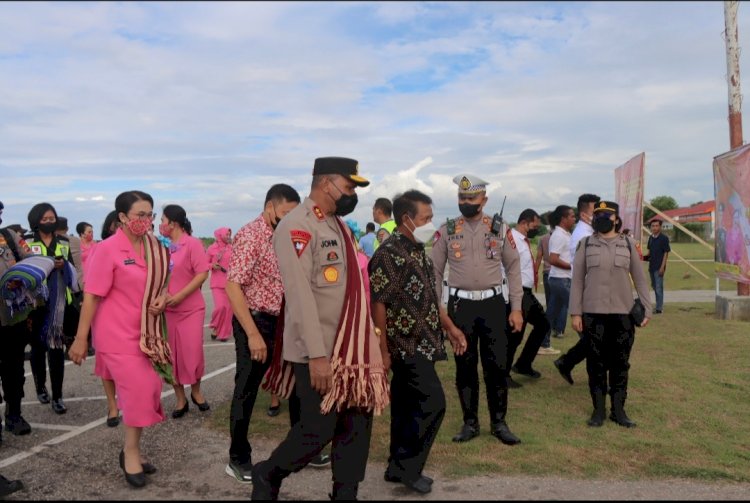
x=221 y=317
x=138 y=387
x=185 y=333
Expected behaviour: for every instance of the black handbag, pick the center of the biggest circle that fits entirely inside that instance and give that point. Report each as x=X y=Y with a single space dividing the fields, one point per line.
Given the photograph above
x=637 y=312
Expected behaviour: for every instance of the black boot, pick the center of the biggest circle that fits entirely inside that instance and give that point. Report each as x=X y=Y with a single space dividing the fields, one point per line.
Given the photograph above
x=266 y=482
x=617 y=414
x=9 y=486
x=597 y=417
x=498 y=408
x=469 y=399
x=344 y=492
x=468 y=431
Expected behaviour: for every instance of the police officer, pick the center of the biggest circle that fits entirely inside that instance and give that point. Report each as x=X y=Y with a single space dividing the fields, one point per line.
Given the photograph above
x=43 y=223
x=601 y=298
x=13 y=339
x=475 y=315
x=312 y=256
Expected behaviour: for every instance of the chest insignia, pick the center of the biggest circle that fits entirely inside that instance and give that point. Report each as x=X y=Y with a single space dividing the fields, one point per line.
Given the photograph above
x=332 y=255
x=36 y=249
x=331 y=274
x=300 y=239
x=455 y=245
x=457 y=254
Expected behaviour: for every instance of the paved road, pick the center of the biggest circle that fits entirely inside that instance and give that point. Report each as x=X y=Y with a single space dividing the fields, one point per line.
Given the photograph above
x=74 y=456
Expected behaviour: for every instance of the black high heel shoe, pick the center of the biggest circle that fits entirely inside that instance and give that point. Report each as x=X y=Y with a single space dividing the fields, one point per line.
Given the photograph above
x=203 y=407
x=134 y=479
x=178 y=413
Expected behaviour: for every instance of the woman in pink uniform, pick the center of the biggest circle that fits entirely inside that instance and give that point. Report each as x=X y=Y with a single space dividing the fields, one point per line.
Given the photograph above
x=218 y=255
x=117 y=299
x=185 y=306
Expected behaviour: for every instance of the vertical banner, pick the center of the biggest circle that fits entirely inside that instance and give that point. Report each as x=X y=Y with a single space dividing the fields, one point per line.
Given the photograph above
x=732 y=229
x=629 y=194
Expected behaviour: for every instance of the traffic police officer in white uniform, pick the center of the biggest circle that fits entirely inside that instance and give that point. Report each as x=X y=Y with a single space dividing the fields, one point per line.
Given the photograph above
x=475 y=316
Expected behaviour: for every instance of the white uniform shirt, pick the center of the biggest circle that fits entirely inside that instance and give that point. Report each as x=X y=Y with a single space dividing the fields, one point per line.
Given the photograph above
x=559 y=243
x=527 y=264
x=582 y=231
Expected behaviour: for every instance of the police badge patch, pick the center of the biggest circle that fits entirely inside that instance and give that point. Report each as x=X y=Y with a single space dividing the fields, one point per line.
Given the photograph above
x=300 y=239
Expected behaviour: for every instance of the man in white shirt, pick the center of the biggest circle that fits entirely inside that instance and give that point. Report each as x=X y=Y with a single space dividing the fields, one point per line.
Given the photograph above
x=526 y=229
x=560 y=274
x=577 y=353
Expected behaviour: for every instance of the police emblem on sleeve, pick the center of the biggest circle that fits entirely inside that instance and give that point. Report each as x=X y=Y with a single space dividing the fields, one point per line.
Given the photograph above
x=331 y=274
x=300 y=239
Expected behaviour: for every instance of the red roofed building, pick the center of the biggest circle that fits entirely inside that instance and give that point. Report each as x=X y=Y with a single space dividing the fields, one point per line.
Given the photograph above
x=703 y=213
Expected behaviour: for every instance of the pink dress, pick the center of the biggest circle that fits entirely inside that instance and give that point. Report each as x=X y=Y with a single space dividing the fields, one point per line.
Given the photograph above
x=117 y=274
x=220 y=253
x=185 y=320
x=362 y=260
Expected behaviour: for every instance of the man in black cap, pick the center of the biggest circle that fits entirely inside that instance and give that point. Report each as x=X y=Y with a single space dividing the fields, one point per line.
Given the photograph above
x=314 y=257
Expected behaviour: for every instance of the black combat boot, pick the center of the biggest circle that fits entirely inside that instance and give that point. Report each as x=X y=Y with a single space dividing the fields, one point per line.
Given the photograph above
x=498 y=408
x=266 y=482
x=597 y=417
x=469 y=399
x=344 y=492
x=617 y=414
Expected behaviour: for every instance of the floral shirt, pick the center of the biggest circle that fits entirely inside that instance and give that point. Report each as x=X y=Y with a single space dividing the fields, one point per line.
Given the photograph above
x=255 y=268
x=402 y=278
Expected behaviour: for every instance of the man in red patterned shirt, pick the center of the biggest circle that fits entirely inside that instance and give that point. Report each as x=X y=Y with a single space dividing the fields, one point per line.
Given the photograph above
x=255 y=292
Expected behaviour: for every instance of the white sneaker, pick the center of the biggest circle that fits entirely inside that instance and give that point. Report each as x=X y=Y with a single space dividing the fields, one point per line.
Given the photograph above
x=548 y=351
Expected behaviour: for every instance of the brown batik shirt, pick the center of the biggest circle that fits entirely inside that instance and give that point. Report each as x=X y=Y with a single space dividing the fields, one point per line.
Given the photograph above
x=402 y=278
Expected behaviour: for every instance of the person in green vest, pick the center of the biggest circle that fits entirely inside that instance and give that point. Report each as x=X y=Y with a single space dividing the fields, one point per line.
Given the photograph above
x=381 y=213
x=46 y=335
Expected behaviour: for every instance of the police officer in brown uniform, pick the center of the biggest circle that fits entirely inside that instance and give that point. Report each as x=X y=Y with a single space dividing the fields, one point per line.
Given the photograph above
x=600 y=299
x=311 y=251
x=475 y=316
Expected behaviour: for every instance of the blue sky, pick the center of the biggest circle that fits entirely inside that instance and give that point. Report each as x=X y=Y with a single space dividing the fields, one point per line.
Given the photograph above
x=208 y=104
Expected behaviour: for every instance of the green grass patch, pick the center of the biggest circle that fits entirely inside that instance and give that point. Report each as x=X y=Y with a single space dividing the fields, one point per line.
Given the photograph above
x=689 y=383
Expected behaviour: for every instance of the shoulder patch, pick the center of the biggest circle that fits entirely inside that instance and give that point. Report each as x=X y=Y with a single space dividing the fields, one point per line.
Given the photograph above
x=300 y=239
x=509 y=237
x=436 y=237
x=319 y=213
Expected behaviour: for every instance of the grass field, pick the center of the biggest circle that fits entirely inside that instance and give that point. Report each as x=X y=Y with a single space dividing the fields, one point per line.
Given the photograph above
x=689 y=383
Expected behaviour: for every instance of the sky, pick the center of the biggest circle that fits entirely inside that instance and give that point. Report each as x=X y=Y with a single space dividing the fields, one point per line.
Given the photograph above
x=208 y=104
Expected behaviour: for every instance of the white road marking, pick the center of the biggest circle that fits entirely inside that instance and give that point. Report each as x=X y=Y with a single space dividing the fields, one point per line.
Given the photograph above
x=93 y=424
x=61 y=427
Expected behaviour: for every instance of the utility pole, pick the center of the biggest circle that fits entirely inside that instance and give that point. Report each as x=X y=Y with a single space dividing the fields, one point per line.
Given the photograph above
x=735 y=96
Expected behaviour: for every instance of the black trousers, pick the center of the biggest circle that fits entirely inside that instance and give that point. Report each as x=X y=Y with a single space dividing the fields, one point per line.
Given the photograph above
x=13 y=340
x=39 y=349
x=611 y=338
x=248 y=377
x=349 y=430
x=417 y=410
x=533 y=313
x=483 y=322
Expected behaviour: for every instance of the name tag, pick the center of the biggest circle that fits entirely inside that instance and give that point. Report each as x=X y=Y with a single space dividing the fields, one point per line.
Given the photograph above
x=129 y=261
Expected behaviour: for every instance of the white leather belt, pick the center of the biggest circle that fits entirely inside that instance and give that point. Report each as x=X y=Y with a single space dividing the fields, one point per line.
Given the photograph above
x=475 y=294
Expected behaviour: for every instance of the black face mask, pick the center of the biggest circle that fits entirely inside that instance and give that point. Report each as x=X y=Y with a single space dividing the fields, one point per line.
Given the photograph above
x=602 y=225
x=532 y=233
x=276 y=219
x=48 y=228
x=345 y=204
x=469 y=210
x=618 y=225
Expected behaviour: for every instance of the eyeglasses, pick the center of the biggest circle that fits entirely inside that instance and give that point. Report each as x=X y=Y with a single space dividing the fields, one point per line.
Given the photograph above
x=145 y=215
